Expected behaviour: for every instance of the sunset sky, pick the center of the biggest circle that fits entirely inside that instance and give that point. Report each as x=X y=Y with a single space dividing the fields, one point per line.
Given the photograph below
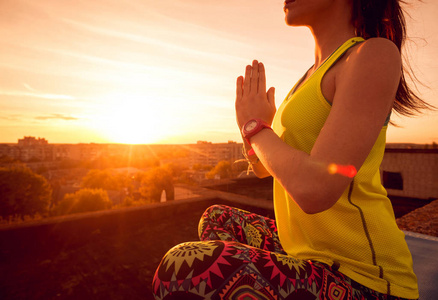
x=149 y=71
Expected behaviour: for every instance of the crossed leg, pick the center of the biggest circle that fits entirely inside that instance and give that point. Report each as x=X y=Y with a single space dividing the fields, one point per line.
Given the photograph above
x=240 y=257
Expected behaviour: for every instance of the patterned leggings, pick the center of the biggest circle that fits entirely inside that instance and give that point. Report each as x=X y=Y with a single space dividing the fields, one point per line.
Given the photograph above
x=240 y=257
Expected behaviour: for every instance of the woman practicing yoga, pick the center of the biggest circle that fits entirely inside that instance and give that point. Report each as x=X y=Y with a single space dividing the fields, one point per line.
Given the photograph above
x=335 y=235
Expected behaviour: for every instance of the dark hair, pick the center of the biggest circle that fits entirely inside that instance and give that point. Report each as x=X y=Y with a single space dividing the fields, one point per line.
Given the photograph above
x=385 y=18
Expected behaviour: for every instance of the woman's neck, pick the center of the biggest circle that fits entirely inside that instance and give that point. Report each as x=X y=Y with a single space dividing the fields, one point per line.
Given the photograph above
x=331 y=31
x=325 y=45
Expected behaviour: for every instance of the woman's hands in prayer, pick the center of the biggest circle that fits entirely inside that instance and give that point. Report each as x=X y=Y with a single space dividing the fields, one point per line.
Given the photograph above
x=252 y=100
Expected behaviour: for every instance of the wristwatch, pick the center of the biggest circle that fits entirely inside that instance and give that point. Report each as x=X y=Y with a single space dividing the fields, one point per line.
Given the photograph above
x=252 y=127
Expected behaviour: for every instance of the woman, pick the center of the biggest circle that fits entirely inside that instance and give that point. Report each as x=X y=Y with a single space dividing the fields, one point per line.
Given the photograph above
x=335 y=235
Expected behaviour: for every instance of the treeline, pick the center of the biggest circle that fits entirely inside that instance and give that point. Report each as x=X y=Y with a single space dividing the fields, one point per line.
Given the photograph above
x=25 y=194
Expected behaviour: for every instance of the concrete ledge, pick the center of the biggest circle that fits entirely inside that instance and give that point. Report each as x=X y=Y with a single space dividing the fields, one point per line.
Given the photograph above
x=36 y=243
x=74 y=230
x=80 y=229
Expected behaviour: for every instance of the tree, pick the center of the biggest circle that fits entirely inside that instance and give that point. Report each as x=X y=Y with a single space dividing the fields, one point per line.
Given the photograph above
x=103 y=179
x=154 y=182
x=84 y=200
x=222 y=169
x=23 y=193
x=200 y=167
x=175 y=170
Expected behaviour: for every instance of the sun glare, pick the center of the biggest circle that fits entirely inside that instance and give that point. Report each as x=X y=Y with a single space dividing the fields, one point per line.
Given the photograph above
x=130 y=119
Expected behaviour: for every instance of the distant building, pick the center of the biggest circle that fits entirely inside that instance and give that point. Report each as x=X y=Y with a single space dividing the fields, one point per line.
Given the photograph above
x=5 y=150
x=32 y=141
x=410 y=172
x=206 y=153
x=36 y=153
x=85 y=151
x=62 y=152
x=407 y=170
x=32 y=149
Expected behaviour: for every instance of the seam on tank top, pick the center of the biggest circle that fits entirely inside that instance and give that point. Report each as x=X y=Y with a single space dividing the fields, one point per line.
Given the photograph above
x=364 y=225
x=370 y=242
x=388 y=288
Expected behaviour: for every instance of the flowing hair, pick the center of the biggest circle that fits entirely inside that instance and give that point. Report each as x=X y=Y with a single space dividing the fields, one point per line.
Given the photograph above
x=385 y=18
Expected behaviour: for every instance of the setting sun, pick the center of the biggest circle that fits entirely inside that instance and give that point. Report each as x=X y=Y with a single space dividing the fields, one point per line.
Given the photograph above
x=131 y=119
x=152 y=72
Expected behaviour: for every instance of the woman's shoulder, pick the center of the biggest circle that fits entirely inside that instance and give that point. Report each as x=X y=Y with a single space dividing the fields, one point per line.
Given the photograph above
x=376 y=50
x=372 y=66
x=379 y=57
x=379 y=42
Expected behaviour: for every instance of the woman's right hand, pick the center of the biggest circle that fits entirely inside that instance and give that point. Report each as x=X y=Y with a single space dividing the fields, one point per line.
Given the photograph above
x=252 y=100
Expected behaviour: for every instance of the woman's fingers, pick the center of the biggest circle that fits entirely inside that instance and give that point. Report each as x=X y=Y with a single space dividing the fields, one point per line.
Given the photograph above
x=252 y=99
x=261 y=79
x=239 y=88
x=255 y=77
x=271 y=96
x=254 y=81
x=247 y=80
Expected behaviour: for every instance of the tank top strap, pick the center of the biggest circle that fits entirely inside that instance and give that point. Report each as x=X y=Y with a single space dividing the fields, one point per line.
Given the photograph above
x=336 y=55
x=326 y=65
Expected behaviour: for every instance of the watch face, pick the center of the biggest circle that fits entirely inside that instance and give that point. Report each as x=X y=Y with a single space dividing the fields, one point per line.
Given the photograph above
x=251 y=125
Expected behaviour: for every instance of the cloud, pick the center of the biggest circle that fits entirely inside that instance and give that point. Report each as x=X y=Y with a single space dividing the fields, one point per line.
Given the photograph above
x=37 y=95
x=11 y=117
x=57 y=117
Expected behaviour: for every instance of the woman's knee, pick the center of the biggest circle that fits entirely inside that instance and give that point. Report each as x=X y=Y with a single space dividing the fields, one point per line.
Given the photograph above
x=215 y=209
x=211 y=216
x=185 y=261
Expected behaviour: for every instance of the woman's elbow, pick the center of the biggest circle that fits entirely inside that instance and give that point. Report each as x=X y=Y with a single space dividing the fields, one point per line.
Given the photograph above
x=262 y=175
x=313 y=201
x=261 y=172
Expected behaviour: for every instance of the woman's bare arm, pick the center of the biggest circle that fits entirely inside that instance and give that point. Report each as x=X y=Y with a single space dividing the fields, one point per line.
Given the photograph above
x=256 y=166
x=365 y=91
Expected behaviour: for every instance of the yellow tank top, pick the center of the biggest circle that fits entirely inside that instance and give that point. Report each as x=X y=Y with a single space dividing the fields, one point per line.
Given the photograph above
x=359 y=232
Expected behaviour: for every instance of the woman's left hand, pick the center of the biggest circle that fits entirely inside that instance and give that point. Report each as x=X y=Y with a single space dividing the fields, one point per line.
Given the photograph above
x=252 y=100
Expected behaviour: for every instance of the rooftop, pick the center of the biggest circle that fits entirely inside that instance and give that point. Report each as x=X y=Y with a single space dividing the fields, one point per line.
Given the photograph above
x=114 y=254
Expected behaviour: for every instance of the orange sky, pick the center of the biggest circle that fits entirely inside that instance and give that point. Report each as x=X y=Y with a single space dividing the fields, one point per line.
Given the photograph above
x=148 y=71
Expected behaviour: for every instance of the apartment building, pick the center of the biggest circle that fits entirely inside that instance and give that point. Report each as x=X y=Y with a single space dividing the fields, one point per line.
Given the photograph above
x=410 y=172
x=206 y=153
x=407 y=170
x=29 y=149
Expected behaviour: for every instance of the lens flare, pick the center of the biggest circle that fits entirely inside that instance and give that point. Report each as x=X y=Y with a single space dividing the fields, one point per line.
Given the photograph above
x=347 y=171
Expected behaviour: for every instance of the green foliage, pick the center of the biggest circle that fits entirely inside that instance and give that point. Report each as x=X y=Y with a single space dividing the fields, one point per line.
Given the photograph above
x=174 y=170
x=84 y=200
x=200 y=167
x=154 y=182
x=239 y=167
x=103 y=179
x=222 y=169
x=23 y=193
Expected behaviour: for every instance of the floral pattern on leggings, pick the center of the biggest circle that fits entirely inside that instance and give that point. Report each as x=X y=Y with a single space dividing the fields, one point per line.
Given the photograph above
x=232 y=224
x=240 y=257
